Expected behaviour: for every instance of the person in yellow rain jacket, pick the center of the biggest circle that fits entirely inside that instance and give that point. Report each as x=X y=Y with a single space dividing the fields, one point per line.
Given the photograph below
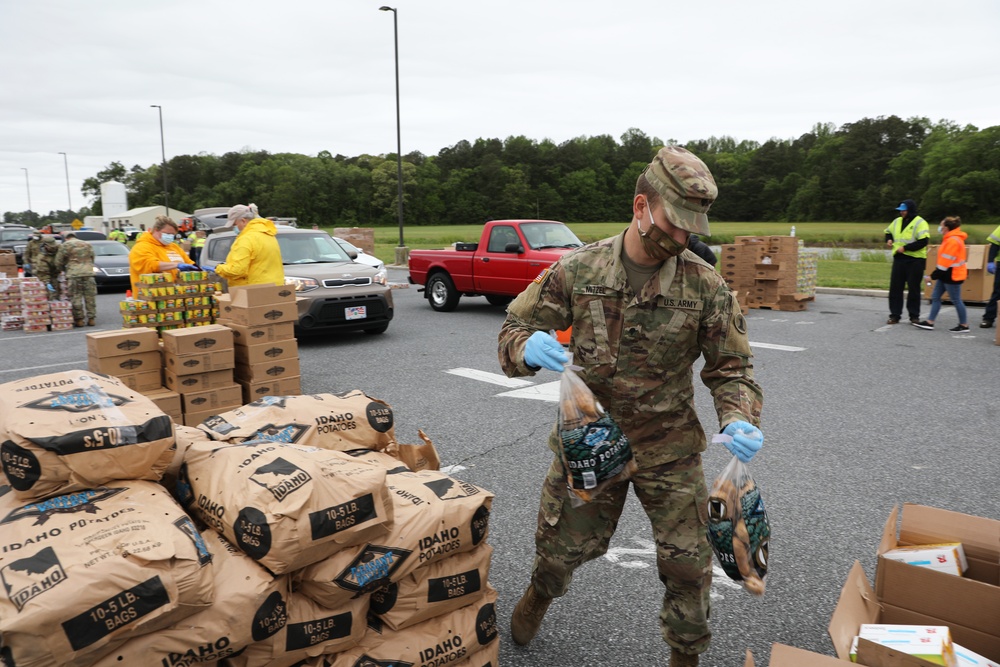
x=155 y=252
x=254 y=258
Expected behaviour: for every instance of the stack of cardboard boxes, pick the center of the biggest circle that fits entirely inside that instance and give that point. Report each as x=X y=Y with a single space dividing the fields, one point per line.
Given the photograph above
x=765 y=272
x=168 y=304
x=8 y=263
x=11 y=318
x=262 y=319
x=35 y=305
x=132 y=355
x=198 y=364
x=361 y=237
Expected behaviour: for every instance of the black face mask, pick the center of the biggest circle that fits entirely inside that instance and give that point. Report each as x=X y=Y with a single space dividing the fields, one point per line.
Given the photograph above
x=657 y=243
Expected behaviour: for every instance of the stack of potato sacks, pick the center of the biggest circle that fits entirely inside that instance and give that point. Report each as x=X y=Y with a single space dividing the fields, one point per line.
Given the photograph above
x=306 y=539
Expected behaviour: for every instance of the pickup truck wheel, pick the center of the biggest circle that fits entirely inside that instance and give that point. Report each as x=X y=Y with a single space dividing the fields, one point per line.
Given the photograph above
x=441 y=293
x=498 y=299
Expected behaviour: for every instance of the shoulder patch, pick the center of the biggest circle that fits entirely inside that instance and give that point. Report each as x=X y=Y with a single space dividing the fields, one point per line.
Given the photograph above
x=541 y=276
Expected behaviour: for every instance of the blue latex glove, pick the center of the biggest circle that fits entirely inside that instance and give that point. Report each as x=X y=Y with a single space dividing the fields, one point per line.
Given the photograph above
x=27 y=267
x=545 y=351
x=991 y=267
x=746 y=440
x=50 y=287
x=188 y=267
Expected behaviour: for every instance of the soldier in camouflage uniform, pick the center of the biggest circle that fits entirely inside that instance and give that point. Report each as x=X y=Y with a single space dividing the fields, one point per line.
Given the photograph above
x=76 y=258
x=40 y=255
x=643 y=308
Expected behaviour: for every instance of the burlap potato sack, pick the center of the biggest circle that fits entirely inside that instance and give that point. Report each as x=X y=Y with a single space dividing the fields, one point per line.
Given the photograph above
x=312 y=631
x=283 y=505
x=435 y=589
x=82 y=573
x=251 y=605
x=434 y=516
x=76 y=430
x=345 y=421
x=442 y=640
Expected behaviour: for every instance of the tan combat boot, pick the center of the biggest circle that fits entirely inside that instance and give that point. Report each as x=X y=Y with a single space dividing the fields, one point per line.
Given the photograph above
x=678 y=659
x=528 y=615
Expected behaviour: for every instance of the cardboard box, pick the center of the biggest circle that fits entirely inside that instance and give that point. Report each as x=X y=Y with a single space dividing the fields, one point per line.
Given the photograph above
x=931 y=643
x=788 y=656
x=290 y=386
x=978 y=286
x=189 y=364
x=967 y=658
x=143 y=382
x=264 y=352
x=257 y=315
x=197 y=340
x=125 y=364
x=195 y=418
x=212 y=399
x=972 y=601
x=122 y=341
x=949 y=558
x=268 y=333
x=185 y=384
x=273 y=370
x=166 y=400
x=251 y=296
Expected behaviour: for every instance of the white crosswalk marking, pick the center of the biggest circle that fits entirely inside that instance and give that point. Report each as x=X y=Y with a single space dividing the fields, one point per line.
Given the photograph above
x=542 y=392
x=493 y=378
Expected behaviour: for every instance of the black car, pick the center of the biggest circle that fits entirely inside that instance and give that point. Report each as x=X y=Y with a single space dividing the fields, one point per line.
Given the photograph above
x=110 y=264
x=16 y=239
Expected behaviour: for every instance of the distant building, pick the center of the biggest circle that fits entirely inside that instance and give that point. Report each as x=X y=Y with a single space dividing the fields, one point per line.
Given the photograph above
x=144 y=217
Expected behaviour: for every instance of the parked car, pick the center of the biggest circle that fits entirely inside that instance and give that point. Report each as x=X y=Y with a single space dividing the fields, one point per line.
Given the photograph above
x=132 y=233
x=360 y=255
x=338 y=294
x=110 y=264
x=87 y=235
x=15 y=237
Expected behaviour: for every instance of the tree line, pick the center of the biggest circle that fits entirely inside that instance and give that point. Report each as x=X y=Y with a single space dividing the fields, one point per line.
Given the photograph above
x=857 y=172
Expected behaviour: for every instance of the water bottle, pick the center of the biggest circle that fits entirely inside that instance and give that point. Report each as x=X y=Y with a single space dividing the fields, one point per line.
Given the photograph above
x=793 y=230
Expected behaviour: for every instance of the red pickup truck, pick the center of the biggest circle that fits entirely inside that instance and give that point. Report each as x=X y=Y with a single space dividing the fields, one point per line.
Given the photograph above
x=509 y=255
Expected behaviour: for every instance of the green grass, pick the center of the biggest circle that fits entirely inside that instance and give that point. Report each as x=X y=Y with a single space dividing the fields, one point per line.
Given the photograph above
x=871 y=271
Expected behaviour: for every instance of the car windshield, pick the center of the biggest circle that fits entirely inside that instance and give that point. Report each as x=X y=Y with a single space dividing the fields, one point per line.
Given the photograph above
x=348 y=246
x=109 y=249
x=541 y=235
x=310 y=249
x=16 y=234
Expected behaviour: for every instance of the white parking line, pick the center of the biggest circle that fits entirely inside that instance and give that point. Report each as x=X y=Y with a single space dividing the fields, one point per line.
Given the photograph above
x=60 y=333
x=493 y=378
x=543 y=392
x=81 y=364
x=773 y=346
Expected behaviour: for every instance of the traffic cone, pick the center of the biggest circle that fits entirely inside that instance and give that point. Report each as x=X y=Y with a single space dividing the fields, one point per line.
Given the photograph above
x=20 y=272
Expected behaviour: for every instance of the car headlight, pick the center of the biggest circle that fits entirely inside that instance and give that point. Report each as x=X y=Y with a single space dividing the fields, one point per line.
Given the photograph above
x=302 y=284
x=381 y=277
x=98 y=271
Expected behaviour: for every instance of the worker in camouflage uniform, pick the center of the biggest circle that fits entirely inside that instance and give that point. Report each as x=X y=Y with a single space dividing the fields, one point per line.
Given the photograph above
x=642 y=308
x=40 y=257
x=76 y=258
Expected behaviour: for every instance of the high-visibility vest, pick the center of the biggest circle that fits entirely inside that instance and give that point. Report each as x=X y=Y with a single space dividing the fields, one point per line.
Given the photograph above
x=198 y=242
x=917 y=229
x=994 y=237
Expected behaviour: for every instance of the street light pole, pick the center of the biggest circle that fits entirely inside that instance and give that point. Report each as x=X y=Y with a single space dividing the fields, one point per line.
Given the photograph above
x=163 y=151
x=69 y=201
x=27 y=185
x=401 y=254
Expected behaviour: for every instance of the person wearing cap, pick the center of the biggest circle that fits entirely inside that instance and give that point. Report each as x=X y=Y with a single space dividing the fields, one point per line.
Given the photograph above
x=643 y=308
x=907 y=236
x=155 y=251
x=254 y=258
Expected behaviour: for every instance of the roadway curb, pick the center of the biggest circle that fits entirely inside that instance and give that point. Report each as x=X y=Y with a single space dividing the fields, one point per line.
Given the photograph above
x=848 y=291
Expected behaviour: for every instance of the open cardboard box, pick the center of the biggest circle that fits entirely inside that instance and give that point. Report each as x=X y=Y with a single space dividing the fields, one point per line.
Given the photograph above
x=788 y=656
x=858 y=604
x=972 y=601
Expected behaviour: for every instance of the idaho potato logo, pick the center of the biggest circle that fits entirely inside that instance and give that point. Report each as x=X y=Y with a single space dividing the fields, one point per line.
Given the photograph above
x=78 y=400
x=30 y=577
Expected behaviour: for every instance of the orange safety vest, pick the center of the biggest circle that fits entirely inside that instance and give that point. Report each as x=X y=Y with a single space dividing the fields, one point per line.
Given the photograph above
x=952 y=255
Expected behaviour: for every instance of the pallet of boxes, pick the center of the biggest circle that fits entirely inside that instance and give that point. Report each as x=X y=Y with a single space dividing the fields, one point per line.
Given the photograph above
x=293 y=530
x=262 y=319
x=771 y=272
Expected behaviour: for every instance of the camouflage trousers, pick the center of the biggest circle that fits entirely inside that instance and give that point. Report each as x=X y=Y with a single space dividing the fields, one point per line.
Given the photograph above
x=675 y=499
x=82 y=292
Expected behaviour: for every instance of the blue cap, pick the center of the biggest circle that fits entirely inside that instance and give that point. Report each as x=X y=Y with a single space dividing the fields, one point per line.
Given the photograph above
x=901 y=207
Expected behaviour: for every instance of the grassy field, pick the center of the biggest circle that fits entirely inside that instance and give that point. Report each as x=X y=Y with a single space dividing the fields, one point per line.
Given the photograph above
x=871 y=272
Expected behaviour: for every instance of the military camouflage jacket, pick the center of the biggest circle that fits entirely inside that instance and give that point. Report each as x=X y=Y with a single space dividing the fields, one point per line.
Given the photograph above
x=42 y=261
x=637 y=351
x=76 y=258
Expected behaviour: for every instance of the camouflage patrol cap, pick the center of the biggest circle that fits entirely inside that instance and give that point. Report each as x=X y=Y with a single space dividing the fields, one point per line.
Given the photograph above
x=686 y=186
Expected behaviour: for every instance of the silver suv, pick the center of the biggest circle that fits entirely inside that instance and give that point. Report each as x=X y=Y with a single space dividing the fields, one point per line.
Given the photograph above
x=338 y=293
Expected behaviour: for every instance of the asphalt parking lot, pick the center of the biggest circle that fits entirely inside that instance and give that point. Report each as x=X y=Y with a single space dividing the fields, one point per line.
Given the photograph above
x=859 y=416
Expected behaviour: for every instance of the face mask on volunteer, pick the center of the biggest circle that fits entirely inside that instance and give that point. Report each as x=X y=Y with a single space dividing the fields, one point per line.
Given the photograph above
x=167 y=238
x=941 y=229
x=657 y=243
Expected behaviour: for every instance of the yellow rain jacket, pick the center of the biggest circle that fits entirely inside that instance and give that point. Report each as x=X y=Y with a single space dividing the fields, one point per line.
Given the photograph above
x=255 y=258
x=147 y=253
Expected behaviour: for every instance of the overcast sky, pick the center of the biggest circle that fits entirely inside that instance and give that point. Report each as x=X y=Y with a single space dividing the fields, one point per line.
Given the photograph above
x=79 y=76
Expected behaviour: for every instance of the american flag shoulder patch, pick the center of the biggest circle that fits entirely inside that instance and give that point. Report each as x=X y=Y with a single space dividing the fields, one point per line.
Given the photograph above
x=541 y=276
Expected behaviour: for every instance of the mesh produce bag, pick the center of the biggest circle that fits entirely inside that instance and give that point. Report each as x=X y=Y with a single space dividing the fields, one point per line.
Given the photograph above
x=594 y=450
x=738 y=528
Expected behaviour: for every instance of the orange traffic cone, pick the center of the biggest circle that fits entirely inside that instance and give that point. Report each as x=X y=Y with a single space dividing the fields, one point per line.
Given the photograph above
x=20 y=272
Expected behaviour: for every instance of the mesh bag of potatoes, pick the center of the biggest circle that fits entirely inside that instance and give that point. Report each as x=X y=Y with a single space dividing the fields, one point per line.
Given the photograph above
x=350 y=420
x=76 y=430
x=283 y=505
x=84 y=572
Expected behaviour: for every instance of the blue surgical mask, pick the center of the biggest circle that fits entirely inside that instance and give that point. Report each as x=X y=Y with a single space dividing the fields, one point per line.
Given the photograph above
x=167 y=238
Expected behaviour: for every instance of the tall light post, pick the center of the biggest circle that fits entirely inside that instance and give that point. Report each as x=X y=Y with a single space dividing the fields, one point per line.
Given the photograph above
x=163 y=151
x=28 y=186
x=69 y=201
x=401 y=254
